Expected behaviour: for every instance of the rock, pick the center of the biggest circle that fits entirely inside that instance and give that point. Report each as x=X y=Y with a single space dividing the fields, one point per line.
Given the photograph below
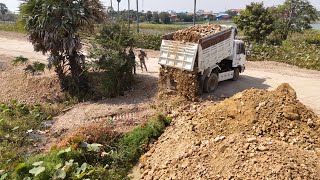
x=291 y=116
x=219 y=138
x=310 y=123
x=252 y=140
x=262 y=148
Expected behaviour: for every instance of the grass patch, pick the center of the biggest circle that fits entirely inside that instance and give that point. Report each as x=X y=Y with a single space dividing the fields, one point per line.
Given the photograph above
x=109 y=160
x=16 y=120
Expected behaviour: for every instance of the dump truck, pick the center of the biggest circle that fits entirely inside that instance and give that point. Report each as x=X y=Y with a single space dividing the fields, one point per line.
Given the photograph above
x=216 y=57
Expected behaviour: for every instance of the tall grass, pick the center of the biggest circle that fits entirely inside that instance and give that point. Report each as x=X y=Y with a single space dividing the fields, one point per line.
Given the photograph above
x=12 y=27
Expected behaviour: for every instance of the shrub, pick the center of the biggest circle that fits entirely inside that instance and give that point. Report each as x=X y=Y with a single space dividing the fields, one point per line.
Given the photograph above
x=20 y=60
x=110 y=48
x=299 y=54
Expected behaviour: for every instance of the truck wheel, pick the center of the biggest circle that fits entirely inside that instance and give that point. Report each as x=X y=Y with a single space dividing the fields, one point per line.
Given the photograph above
x=236 y=74
x=211 y=83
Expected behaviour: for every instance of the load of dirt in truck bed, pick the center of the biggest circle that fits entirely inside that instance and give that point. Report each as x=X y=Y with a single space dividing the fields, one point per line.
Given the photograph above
x=187 y=84
x=256 y=134
x=194 y=33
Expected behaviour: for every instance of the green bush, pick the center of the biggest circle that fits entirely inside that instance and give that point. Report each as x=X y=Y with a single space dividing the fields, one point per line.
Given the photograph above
x=299 y=54
x=110 y=48
x=148 y=41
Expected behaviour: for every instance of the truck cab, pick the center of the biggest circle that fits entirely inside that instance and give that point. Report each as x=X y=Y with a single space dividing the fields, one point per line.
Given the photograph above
x=239 y=55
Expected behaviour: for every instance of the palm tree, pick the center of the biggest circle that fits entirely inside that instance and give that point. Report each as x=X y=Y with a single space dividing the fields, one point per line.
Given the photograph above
x=54 y=28
x=3 y=10
x=118 y=5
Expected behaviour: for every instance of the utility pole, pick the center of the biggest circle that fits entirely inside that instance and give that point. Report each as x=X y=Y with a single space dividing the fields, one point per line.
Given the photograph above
x=137 y=16
x=129 y=15
x=194 y=12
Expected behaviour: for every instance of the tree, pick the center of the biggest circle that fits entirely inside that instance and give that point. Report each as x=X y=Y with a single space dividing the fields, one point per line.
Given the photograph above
x=149 y=16
x=156 y=18
x=294 y=16
x=184 y=17
x=232 y=13
x=54 y=27
x=3 y=10
x=110 y=47
x=255 y=21
x=165 y=17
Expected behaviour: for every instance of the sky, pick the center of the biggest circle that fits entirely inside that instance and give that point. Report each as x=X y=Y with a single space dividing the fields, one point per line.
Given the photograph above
x=177 y=5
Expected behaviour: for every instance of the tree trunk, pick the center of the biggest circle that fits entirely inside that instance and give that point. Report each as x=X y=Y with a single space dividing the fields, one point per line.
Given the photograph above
x=61 y=77
x=77 y=75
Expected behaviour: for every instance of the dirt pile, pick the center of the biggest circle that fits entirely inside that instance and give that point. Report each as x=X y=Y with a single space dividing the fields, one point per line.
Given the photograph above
x=255 y=134
x=185 y=83
x=194 y=33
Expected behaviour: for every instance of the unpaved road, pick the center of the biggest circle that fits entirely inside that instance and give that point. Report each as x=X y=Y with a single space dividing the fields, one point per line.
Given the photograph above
x=261 y=75
x=14 y=44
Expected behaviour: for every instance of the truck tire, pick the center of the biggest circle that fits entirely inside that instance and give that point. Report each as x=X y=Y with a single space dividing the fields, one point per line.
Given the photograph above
x=236 y=74
x=211 y=83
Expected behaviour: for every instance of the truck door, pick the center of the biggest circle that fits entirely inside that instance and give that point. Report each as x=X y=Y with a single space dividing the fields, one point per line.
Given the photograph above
x=240 y=56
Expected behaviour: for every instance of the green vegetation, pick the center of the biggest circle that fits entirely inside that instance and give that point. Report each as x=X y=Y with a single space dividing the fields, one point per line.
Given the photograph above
x=275 y=24
x=17 y=123
x=148 y=41
x=113 y=160
x=11 y=27
x=301 y=49
x=256 y=22
x=110 y=48
x=54 y=27
x=35 y=68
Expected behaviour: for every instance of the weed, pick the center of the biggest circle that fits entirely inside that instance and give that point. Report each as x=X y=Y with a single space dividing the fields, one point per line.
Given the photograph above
x=20 y=60
x=110 y=160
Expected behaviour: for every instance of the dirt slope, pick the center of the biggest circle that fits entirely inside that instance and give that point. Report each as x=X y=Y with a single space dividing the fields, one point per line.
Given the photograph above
x=256 y=134
x=16 y=85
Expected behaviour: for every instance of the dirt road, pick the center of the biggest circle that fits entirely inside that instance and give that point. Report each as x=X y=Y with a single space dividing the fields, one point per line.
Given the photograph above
x=261 y=75
x=15 y=44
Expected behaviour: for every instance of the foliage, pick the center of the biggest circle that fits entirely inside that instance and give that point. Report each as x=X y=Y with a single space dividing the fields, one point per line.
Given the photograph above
x=17 y=125
x=148 y=41
x=232 y=13
x=184 y=17
x=294 y=16
x=165 y=18
x=54 y=27
x=110 y=47
x=256 y=22
x=35 y=68
x=111 y=160
x=3 y=9
x=19 y=60
x=295 y=51
x=11 y=27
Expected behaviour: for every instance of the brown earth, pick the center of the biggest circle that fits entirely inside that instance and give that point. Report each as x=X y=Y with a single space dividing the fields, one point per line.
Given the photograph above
x=256 y=134
x=16 y=85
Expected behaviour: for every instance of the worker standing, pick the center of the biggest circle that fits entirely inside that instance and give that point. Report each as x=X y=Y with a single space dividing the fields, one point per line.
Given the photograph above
x=132 y=58
x=142 y=55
